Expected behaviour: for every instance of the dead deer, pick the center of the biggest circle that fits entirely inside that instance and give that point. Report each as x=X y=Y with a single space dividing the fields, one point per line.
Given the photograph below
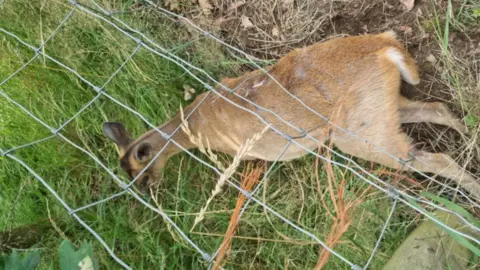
x=354 y=81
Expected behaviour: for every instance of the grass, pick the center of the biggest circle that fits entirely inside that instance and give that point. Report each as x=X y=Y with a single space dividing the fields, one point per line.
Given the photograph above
x=459 y=73
x=154 y=87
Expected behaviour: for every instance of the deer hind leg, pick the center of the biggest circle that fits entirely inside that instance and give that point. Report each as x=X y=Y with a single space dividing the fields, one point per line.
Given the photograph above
x=437 y=163
x=443 y=165
x=375 y=117
x=432 y=112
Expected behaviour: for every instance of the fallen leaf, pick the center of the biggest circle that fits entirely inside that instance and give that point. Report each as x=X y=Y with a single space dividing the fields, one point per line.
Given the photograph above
x=205 y=6
x=430 y=58
x=419 y=12
x=246 y=23
x=408 y=4
x=187 y=92
x=275 y=31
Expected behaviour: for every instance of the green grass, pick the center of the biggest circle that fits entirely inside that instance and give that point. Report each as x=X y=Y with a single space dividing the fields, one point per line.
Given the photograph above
x=154 y=87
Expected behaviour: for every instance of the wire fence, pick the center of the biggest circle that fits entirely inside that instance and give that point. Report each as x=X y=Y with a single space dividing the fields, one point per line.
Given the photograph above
x=96 y=11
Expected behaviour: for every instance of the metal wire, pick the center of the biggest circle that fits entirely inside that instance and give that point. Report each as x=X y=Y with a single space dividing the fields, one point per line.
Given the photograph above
x=384 y=229
x=64 y=204
x=153 y=47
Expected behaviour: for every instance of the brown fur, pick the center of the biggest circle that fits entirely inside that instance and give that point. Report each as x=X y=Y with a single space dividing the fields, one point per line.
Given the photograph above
x=354 y=81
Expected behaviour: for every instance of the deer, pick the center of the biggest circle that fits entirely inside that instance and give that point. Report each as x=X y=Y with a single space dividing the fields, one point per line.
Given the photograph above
x=354 y=80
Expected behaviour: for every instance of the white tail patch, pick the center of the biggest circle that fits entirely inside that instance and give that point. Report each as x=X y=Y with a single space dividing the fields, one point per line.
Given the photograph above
x=398 y=59
x=390 y=34
x=258 y=84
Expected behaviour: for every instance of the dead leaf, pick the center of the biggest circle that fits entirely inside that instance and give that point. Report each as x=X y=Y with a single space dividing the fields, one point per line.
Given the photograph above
x=205 y=6
x=187 y=96
x=235 y=5
x=275 y=31
x=430 y=58
x=187 y=92
x=408 y=4
x=246 y=23
x=419 y=12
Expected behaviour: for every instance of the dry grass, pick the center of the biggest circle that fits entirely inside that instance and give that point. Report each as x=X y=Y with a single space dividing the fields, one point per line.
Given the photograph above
x=198 y=141
x=229 y=171
x=250 y=177
x=269 y=27
x=343 y=206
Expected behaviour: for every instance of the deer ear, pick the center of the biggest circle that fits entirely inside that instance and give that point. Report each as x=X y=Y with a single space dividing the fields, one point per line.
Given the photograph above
x=143 y=152
x=117 y=133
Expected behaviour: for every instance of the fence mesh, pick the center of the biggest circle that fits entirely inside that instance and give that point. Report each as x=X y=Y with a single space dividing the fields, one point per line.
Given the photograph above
x=142 y=41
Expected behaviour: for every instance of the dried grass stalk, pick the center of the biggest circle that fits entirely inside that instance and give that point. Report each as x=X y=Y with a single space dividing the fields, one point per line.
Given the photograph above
x=198 y=142
x=249 y=178
x=343 y=208
x=244 y=149
x=229 y=171
x=170 y=229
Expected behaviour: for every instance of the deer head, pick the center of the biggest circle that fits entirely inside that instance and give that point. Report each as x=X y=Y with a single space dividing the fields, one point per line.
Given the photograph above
x=135 y=155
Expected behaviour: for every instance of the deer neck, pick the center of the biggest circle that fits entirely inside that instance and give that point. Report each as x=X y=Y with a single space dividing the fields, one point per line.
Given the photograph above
x=177 y=137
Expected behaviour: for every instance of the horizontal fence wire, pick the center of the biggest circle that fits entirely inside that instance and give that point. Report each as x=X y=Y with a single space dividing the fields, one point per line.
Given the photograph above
x=100 y=13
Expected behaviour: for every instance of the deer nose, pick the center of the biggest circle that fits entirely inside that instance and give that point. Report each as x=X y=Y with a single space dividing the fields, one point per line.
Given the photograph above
x=143 y=185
